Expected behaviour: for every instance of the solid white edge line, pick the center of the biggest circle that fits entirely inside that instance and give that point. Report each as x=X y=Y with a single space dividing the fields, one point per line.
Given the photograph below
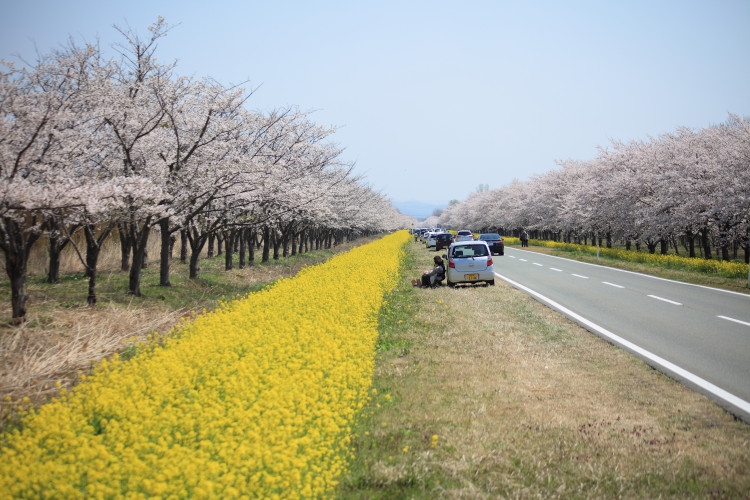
x=665 y=300
x=735 y=320
x=612 y=284
x=653 y=358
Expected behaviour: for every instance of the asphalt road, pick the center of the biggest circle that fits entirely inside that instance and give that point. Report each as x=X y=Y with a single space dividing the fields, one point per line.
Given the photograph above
x=696 y=334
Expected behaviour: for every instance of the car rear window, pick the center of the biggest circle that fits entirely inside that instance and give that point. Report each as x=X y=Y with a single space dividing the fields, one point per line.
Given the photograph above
x=489 y=236
x=470 y=251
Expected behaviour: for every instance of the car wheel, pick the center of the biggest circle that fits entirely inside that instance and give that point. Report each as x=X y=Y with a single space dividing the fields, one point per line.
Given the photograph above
x=491 y=282
x=450 y=284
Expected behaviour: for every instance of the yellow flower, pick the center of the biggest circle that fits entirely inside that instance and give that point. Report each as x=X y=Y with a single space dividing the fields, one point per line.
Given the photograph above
x=255 y=397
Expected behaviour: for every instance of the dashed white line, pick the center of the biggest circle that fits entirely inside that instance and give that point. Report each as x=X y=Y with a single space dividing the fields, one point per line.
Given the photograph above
x=735 y=320
x=612 y=284
x=665 y=300
x=581 y=276
x=538 y=264
x=555 y=269
x=523 y=260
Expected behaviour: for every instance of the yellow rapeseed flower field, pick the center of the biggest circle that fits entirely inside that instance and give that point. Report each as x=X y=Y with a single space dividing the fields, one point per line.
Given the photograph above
x=254 y=400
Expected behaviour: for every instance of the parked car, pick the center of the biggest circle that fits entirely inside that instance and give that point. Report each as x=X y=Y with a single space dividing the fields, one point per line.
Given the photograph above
x=443 y=240
x=469 y=262
x=464 y=235
x=430 y=241
x=494 y=241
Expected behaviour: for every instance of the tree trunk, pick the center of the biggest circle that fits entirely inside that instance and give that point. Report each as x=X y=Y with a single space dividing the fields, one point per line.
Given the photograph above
x=194 y=256
x=93 y=250
x=16 y=245
x=53 y=274
x=210 y=251
x=197 y=242
x=126 y=245
x=57 y=242
x=243 y=248
x=139 y=238
x=663 y=246
x=229 y=248
x=166 y=253
x=276 y=240
x=251 y=247
x=706 y=243
x=285 y=246
x=691 y=243
x=183 y=246
x=266 y=244
x=17 y=275
x=219 y=243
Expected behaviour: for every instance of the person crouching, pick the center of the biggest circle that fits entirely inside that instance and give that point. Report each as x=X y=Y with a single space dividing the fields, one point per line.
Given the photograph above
x=431 y=278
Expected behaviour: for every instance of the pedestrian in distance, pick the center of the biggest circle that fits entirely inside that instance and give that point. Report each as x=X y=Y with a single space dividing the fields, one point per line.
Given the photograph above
x=524 y=238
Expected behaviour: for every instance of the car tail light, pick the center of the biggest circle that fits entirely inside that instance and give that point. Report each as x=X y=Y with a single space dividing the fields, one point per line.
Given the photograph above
x=451 y=264
x=489 y=261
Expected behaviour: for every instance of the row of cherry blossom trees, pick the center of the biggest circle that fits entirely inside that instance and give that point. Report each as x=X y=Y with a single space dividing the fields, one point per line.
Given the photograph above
x=94 y=144
x=683 y=189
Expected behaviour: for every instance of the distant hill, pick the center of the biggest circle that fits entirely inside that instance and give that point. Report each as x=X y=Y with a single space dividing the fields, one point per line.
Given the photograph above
x=416 y=209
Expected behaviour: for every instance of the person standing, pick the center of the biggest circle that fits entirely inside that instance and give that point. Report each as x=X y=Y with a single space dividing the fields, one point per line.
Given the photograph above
x=524 y=238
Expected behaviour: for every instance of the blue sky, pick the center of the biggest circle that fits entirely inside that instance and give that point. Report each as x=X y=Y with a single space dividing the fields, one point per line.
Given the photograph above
x=433 y=98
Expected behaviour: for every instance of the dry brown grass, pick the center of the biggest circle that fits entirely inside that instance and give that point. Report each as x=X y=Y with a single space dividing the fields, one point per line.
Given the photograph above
x=527 y=404
x=52 y=349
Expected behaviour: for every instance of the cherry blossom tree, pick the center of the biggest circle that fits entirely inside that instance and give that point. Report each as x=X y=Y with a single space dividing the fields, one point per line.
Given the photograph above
x=41 y=132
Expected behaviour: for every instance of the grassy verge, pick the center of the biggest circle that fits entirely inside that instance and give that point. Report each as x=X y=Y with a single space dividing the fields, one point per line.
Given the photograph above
x=485 y=393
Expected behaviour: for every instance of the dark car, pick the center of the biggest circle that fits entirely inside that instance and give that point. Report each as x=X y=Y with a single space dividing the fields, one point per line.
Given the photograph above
x=443 y=240
x=495 y=242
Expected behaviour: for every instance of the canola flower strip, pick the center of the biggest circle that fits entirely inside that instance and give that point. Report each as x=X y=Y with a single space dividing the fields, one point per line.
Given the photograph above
x=253 y=400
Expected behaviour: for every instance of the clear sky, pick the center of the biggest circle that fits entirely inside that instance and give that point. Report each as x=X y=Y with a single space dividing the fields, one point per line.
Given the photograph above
x=433 y=98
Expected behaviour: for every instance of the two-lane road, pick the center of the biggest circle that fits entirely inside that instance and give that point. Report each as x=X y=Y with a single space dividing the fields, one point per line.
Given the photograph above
x=696 y=334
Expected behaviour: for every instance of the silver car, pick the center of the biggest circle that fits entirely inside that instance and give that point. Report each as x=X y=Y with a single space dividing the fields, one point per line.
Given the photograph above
x=430 y=242
x=464 y=235
x=469 y=262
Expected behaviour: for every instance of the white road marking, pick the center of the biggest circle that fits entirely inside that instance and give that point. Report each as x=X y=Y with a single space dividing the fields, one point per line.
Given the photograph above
x=652 y=358
x=581 y=276
x=665 y=300
x=538 y=264
x=523 y=260
x=612 y=284
x=555 y=269
x=649 y=276
x=735 y=320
